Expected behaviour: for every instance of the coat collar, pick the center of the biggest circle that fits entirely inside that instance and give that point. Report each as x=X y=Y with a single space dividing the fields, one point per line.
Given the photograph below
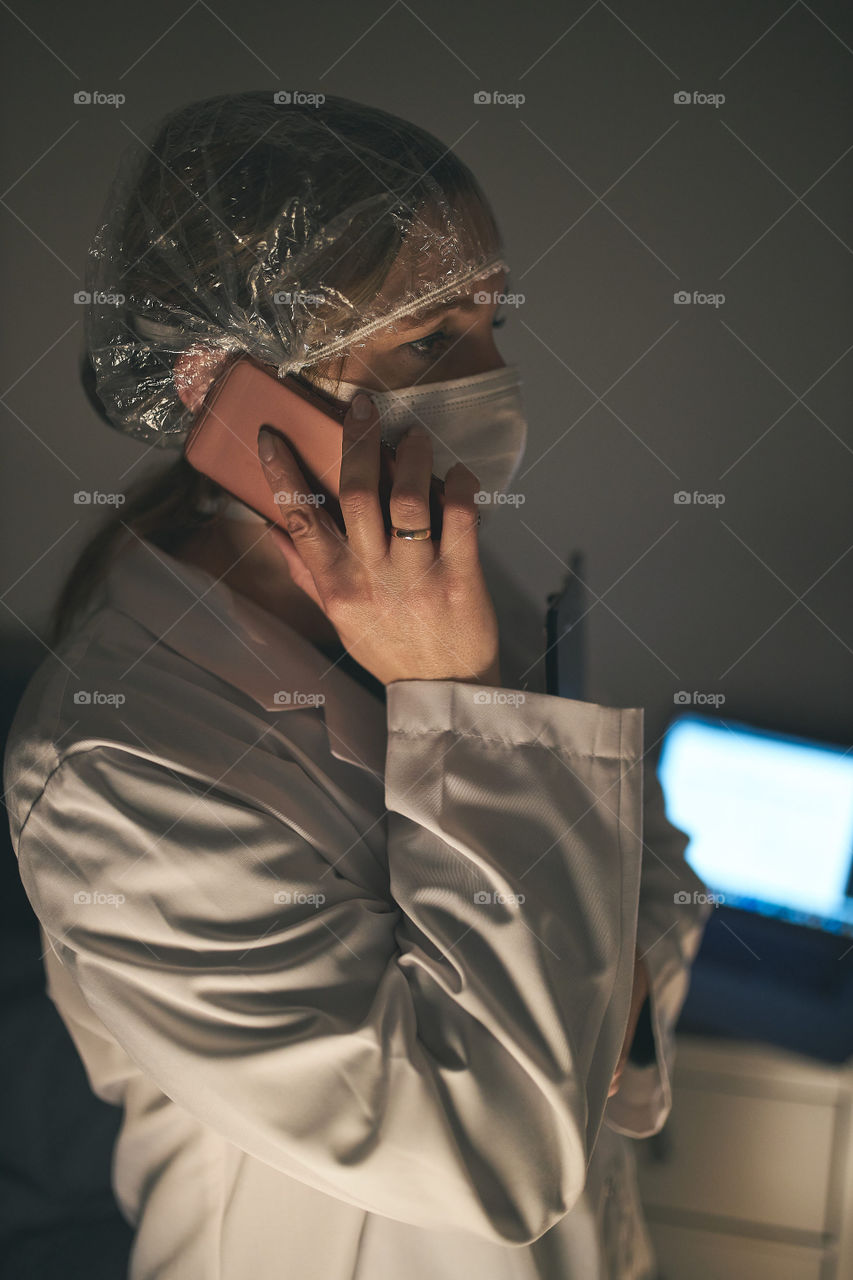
x=207 y=622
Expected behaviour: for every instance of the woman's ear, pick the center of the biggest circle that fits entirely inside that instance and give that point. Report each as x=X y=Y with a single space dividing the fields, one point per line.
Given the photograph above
x=194 y=370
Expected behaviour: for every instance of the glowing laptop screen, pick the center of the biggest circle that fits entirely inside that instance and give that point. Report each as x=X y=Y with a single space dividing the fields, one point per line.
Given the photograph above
x=770 y=818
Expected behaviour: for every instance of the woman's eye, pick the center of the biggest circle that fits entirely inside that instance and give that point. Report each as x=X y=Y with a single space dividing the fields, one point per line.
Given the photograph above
x=432 y=342
x=425 y=346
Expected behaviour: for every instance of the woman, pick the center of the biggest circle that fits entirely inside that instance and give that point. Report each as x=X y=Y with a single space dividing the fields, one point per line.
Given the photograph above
x=356 y=937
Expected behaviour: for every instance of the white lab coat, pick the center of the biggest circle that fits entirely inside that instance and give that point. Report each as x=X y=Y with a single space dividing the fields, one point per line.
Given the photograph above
x=264 y=927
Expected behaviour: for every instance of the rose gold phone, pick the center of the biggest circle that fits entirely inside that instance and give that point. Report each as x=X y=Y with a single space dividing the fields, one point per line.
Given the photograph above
x=223 y=442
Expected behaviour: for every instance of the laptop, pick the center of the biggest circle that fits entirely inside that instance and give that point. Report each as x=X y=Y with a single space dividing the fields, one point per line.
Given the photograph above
x=770 y=818
x=770 y=821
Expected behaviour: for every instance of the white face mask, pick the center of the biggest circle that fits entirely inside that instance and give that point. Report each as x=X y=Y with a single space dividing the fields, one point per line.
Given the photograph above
x=478 y=420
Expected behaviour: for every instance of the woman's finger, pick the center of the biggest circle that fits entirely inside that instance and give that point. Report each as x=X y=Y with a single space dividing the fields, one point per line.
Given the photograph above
x=359 y=483
x=459 y=547
x=313 y=533
x=409 y=500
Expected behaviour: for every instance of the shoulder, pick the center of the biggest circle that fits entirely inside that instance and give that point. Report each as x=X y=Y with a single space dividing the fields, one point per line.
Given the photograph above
x=113 y=685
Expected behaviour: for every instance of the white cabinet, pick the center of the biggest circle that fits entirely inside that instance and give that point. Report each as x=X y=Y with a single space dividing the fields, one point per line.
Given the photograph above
x=685 y=1254
x=752 y=1175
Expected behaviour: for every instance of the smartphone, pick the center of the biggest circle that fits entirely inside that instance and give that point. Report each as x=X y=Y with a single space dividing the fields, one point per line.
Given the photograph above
x=223 y=443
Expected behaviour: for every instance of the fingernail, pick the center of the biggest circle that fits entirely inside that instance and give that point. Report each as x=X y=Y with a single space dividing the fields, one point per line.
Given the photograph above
x=361 y=406
x=266 y=444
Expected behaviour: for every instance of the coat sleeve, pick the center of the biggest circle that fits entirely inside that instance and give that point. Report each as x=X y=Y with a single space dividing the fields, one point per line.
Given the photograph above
x=441 y=1056
x=673 y=912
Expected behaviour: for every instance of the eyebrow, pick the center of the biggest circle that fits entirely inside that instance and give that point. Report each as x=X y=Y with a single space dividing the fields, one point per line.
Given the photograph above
x=463 y=301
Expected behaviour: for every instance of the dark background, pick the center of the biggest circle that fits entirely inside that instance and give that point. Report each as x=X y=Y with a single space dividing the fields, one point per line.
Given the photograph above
x=612 y=197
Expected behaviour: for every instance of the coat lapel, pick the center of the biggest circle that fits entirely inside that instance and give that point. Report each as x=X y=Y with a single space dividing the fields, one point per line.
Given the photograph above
x=203 y=619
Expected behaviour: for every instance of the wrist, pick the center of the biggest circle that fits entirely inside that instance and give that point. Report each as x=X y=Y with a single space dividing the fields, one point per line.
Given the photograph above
x=490 y=677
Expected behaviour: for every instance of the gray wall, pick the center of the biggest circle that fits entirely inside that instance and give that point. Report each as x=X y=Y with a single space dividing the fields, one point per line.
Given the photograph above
x=612 y=197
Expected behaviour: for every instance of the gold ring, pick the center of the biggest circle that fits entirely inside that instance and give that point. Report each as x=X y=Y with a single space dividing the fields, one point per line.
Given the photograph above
x=414 y=535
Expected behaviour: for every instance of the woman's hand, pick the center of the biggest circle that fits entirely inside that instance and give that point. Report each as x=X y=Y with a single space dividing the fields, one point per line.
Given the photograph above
x=405 y=610
x=638 y=996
